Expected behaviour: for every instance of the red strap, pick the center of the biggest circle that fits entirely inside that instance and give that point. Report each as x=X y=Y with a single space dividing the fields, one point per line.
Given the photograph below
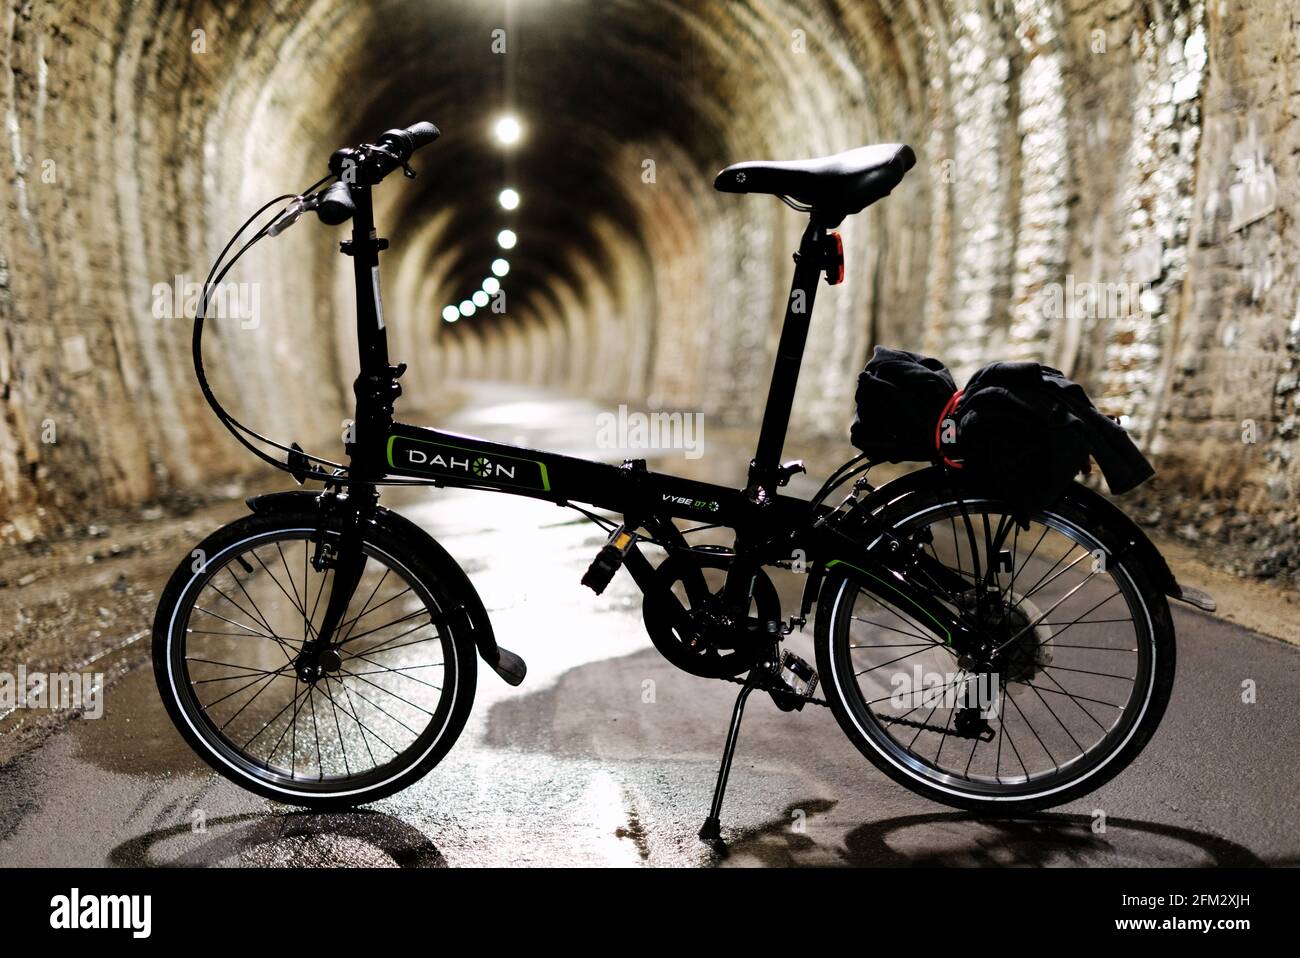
x=948 y=407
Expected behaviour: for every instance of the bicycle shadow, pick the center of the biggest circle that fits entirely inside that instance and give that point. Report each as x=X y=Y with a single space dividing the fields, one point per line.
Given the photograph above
x=966 y=840
x=291 y=839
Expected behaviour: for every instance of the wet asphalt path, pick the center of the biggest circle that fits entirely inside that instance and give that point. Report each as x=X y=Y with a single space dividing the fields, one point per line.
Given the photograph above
x=607 y=755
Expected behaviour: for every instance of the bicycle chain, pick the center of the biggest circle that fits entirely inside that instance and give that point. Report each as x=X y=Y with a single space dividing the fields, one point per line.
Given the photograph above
x=911 y=723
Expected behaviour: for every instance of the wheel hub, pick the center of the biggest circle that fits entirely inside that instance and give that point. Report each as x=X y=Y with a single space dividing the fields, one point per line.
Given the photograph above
x=312 y=665
x=1013 y=642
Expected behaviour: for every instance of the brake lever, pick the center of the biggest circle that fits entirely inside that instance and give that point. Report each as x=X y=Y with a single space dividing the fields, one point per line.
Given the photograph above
x=407 y=171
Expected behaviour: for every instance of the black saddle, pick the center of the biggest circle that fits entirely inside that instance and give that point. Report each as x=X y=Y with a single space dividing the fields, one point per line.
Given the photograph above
x=834 y=186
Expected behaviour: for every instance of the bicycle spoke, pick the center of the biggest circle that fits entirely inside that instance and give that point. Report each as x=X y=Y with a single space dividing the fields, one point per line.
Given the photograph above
x=292 y=598
x=238 y=625
x=1056 y=767
x=223 y=698
x=366 y=604
x=1087 y=622
x=1075 y=697
x=896 y=645
x=1034 y=738
x=915 y=635
x=1099 y=648
x=355 y=619
x=397 y=671
x=309 y=621
x=362 y=725
x=1038 y=621
x=299 y=603
x=883 y=664
x=378 y=706
x=383 y=647
x=320 y=762
x=1065 y=728
x=293 y=701
x=1107 y=675
x=399 y=698
x=905 y=714
x=1002 y=727
x=1076 y=621
x=405 y=618
x=230 y=678
x=1040 y=584
x=347 y=770
x=257 y=612
x=269 y=680
x=943 y=739
x=924 y=722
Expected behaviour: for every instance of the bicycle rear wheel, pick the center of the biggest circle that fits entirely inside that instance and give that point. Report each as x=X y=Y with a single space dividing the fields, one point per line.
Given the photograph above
x=1083 y=678
x=384 y=709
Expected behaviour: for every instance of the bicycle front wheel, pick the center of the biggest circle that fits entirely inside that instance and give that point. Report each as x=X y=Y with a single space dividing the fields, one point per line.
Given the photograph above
x=383 y=710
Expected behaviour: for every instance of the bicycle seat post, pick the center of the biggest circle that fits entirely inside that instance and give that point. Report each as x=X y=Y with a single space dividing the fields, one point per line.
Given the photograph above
x=764 y=469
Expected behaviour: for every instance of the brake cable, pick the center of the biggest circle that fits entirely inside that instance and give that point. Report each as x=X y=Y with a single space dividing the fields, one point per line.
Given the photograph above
x=214 y=278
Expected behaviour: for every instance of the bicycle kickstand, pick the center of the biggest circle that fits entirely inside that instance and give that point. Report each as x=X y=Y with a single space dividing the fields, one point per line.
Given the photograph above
x=712 y=829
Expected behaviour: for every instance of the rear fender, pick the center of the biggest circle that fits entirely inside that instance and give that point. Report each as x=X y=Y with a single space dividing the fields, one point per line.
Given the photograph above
x=1132 y=539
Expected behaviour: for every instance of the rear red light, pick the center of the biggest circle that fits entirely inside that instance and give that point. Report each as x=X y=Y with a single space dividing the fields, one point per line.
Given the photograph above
x=835 y=268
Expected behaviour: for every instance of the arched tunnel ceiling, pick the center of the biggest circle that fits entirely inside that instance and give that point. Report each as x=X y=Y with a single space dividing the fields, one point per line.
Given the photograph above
x=593 y=84
x=1106 y=143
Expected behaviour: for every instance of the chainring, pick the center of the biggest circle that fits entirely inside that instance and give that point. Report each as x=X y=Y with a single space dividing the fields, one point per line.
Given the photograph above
x=688 y=634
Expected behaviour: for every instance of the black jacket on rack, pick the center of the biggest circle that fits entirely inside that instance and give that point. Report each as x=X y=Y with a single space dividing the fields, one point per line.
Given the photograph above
x=1025 y=431
x=899 y=398
x=1022 y=430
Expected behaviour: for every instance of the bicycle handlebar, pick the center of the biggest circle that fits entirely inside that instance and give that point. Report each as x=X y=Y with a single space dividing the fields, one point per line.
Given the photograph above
x=411 y=139
x=366 y=165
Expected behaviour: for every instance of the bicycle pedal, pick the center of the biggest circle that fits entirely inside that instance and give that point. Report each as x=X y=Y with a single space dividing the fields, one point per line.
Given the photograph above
x=799 y=679
x=608 y=560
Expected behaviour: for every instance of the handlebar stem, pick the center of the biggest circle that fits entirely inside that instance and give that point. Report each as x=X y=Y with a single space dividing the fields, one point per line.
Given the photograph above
x=376 y=387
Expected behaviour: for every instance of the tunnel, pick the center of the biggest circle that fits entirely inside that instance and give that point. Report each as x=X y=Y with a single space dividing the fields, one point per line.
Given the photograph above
x=1106 y=186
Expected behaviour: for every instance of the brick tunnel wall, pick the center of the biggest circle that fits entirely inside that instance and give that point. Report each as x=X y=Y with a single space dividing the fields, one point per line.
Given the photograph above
x=1104 y=185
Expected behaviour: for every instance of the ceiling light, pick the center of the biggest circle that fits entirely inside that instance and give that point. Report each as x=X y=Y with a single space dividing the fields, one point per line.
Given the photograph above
x=507 y=130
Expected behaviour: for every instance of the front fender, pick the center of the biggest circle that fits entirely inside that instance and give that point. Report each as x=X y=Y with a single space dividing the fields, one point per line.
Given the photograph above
x=505 y=663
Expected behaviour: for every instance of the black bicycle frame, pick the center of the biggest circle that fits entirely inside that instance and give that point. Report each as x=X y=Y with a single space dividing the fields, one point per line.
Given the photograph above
x=769 y=526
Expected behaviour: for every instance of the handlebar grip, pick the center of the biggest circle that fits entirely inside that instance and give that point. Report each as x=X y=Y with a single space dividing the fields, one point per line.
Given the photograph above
x=405 y=142
x=422 y=134
x=335 y=205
